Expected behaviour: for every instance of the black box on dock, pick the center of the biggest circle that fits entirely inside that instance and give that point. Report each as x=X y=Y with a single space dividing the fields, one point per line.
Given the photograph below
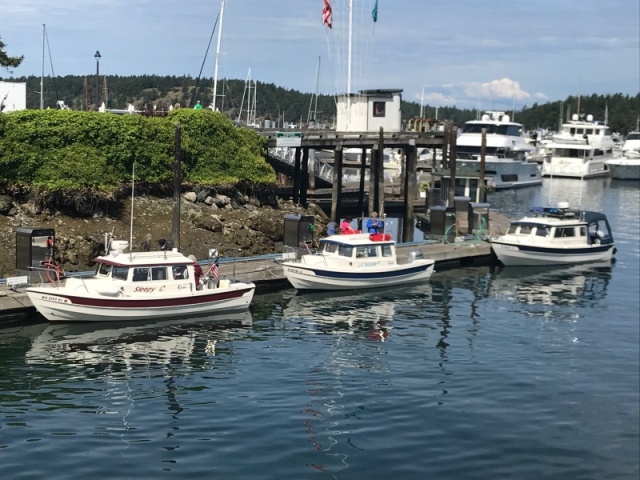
x=34 y=247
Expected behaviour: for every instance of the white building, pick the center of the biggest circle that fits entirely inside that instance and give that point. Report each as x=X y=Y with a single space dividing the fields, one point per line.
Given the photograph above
x=13 y=96
x=369 y=110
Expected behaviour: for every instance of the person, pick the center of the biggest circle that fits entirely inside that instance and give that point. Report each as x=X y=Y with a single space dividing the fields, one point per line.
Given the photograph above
x=197 y=271
x=374 y=225
x=198 y=106
x=345 y=226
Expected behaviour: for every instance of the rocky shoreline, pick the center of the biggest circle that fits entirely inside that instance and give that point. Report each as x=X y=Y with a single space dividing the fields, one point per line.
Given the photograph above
x=207 y=220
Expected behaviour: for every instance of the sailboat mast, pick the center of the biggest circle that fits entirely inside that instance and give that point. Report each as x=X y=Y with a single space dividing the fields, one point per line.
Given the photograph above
x=215 y=70
x=42 y=75
x=315 y=93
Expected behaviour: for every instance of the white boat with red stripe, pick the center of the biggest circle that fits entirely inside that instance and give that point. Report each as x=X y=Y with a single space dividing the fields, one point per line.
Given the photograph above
x=138 y=286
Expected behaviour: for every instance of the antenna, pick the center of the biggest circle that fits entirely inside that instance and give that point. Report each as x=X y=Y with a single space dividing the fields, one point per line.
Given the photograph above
x=133 y=182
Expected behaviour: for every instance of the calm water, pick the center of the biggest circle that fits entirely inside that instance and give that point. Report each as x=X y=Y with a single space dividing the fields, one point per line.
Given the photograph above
x=480 y=373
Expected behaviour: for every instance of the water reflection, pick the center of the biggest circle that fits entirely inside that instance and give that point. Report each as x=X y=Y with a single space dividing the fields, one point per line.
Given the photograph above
x=132 y=344
x=583 y=285
x=366 y=314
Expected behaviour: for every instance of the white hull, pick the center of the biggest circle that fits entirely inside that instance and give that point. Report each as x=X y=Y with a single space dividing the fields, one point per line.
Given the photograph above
x=625 y=169
x=512 y=255
x=507 y=173
x=60 y=304
x=575 y=168
x=313 y=278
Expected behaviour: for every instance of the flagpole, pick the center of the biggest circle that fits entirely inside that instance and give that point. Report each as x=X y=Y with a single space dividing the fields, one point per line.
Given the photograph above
x=215 y=70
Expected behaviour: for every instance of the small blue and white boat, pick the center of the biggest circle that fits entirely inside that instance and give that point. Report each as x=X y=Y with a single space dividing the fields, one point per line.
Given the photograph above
x=556 y=236
x=356 y=261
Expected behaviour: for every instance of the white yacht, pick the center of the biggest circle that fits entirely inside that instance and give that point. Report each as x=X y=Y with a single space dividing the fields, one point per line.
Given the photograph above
x=627 y=167
x=508 y=156
x=580 y=150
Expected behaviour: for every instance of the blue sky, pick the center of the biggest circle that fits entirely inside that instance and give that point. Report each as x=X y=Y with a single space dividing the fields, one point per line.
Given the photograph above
x=467 y=53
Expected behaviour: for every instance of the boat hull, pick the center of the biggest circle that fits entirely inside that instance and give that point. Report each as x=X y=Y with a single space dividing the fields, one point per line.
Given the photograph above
x=305 y=277
x=59 y=305
x=574 y=168
x=511 y=254
x=629 y=170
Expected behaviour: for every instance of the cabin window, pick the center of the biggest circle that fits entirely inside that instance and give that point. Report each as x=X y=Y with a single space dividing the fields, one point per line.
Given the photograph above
x=141 y=274
x=361 y=252
x=121 y=273
x=158 y=273
x=583 y=231
x=103 y=269
x=345 y=251
x=525 y=229
x=542 y=232
x=386 y=251
x=330 y=247
x=379 y=109
x=511 y=177
x=563 y=232
x=180 y=272
x=512 y=229
x=372 y=252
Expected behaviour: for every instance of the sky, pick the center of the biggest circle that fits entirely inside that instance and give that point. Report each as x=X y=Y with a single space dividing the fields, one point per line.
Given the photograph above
x=498 y=54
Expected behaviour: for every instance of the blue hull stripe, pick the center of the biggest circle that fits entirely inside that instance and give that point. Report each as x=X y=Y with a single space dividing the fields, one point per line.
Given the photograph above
x=367 y=275
x=559 y=251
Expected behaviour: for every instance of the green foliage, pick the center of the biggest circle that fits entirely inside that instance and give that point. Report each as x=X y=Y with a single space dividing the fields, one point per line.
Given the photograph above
x=5 y=60
x=65 y=150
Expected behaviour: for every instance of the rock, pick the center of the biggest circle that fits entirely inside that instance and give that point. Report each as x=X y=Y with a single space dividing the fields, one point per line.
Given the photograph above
x=190 y=197
x=6 y=204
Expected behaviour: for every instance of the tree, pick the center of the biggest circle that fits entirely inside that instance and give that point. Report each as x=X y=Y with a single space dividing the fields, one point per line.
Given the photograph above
x=6 y=61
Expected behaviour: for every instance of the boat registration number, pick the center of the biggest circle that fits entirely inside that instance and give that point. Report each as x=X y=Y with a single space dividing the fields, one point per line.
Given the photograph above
x=508 y=247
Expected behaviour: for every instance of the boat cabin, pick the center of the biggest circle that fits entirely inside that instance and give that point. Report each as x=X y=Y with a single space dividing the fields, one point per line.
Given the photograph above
x=358 y=250
x=562 y=227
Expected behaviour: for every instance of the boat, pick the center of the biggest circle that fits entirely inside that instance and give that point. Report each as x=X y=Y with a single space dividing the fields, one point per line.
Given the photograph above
x=355 y=261
x=138 y=286
x=556 y=236
x=510 y=161
x=627 y=167
x=581 y=149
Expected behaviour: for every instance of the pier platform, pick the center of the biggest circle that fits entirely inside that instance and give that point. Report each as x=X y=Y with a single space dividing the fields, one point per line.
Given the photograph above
x=265 y=271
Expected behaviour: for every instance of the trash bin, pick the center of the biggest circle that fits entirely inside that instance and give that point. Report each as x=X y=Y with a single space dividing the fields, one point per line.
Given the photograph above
x=442 y=218
x=478 y=216
x=298 y=229
x=462 y=213
x=34 y=246
x=433 y=198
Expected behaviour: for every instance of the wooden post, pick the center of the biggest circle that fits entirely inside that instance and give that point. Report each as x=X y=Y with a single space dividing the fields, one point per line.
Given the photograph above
x=336 y=190
x=410 y=193
x=312 y=169
x=363 y=170
x=373 y=169
x=177 y=184
x=445 y=143
x=453 y=135
x=481 y=194
x=304 y=183
x=379 y=201
x=296 y=176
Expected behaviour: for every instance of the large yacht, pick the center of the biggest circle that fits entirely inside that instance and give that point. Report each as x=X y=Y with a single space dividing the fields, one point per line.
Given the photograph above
x=627 y=167
x=507 y=154
x=580 y=150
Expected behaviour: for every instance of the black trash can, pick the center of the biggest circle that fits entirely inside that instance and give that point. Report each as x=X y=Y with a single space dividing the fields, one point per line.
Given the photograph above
x=298 y=230
x=441 y=219
x=34 y=247
x=462 y=213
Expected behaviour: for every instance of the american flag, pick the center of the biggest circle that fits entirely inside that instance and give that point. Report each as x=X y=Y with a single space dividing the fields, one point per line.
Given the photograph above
x=327 y=14
x=214 y=270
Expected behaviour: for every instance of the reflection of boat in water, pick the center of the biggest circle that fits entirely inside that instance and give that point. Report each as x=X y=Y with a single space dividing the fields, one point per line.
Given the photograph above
x=578 y=284
x=132 y=343
x=366 y=313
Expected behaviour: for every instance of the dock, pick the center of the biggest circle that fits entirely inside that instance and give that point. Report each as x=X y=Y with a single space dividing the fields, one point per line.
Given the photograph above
x=266 y=272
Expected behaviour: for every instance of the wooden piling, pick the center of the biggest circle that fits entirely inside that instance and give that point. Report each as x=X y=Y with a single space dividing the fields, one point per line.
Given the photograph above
x=177 y=185
x=336 y=189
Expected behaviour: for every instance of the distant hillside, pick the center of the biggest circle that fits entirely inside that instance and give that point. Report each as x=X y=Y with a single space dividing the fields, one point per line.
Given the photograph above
x=277 y=104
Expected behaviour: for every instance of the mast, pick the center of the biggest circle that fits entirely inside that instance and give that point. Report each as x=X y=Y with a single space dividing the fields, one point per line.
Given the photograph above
x=422 y=103
x=42 y=75
x=350 y=41
x=315 y=111
x=215 y=70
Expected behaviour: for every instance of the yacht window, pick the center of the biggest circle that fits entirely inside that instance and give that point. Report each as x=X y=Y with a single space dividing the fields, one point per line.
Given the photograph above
x=330 y=247
x=159 y=273
x=583 y=231
x=120 y=273
x=513 y=229
x=542 y=232
x=345 y=251
x=386 y=250
x=572 y=131
x=141 y=274
x=525 y=229
x=361 y=252
x=372 y=252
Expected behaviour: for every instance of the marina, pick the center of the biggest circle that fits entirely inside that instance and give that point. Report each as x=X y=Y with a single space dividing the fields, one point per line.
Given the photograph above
x=506 y=366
